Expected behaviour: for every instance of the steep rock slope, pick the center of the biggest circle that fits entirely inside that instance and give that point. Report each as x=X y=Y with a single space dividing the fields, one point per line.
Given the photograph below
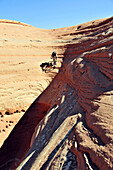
x=22 y=49
x=70 y=124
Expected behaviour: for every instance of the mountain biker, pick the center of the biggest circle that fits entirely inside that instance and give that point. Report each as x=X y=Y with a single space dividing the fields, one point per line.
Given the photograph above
x=54 y=57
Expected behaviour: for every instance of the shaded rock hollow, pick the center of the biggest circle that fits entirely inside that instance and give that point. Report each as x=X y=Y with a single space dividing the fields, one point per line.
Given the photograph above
x=70 y=124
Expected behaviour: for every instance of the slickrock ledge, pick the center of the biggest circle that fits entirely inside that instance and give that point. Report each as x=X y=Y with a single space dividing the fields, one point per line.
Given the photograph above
x=70 y=125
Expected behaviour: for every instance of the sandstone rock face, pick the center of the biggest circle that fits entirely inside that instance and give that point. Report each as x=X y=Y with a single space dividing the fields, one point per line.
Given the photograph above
x=70 y=125
x=22 y=49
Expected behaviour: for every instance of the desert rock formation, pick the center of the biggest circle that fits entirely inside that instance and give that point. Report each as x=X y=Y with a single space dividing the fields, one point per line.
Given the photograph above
x=70 y=125
x=22 y=49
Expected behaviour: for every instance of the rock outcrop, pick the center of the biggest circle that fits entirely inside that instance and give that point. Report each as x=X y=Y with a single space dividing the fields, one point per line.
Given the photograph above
x=70 y=125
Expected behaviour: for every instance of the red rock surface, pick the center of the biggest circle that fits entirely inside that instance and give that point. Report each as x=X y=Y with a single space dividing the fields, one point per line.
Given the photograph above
x=70 y=125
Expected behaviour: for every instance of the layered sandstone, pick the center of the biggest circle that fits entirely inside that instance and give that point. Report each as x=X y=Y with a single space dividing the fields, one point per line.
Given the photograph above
x=70 y=124
x=22 y=49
